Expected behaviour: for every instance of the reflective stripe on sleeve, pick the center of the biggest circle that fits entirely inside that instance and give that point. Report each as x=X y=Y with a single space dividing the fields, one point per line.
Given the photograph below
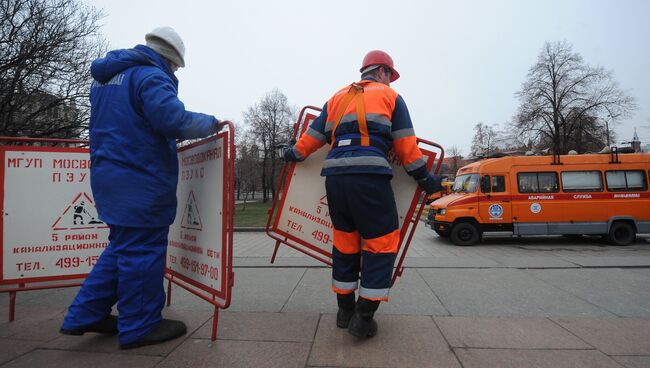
x=297 y=154
x=415 y=164
x=402 y=133
x=315 y=134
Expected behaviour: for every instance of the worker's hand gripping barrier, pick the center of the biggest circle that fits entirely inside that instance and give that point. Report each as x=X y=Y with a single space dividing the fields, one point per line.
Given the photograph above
x=299 y=216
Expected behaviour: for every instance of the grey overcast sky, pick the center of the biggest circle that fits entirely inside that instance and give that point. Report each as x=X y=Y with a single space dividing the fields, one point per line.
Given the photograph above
x=461 y=62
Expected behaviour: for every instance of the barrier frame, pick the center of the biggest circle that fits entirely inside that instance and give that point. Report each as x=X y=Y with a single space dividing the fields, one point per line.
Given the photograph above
x=22 y=285
x=407 y=228
x=228 y=197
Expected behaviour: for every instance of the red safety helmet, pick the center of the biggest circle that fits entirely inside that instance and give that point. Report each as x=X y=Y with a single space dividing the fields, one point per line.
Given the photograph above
x=378 y=57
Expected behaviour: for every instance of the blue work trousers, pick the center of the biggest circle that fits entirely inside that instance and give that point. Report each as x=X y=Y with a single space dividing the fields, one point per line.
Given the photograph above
x=366 y=233
x=130 y=273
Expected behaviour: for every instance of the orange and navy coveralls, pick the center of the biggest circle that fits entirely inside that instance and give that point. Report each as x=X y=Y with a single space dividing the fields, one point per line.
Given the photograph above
x=362 y=123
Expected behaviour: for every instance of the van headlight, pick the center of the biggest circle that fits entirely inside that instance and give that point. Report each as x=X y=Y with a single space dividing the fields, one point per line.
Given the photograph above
x=442 y=211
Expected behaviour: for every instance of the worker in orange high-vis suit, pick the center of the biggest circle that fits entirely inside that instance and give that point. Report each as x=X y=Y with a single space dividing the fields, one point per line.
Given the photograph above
x=362 y=123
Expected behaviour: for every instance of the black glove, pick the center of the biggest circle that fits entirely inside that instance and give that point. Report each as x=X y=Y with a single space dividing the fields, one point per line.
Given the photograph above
x=289 y=155
x=431 y=184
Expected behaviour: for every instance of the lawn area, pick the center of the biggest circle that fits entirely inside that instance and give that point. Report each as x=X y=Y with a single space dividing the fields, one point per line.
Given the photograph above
x=255 y=215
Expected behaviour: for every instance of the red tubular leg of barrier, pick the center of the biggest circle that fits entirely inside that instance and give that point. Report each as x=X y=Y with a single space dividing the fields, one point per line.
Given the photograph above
x=275 y=251
x=12 y=305
x=215 y=320
x=169 y=291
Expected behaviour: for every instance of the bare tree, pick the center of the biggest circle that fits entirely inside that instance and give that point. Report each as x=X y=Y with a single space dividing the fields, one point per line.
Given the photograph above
x=483 y=140
x=561 y=92
x=246 y=173
x=46 y=47
x=455 y=159
x=270 y=123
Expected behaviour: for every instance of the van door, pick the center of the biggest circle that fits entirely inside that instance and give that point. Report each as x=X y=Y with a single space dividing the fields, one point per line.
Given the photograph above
x=495 y=208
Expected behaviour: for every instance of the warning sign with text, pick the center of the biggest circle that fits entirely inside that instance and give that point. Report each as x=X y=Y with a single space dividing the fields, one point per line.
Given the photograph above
x=50 y=227
x=197 y=241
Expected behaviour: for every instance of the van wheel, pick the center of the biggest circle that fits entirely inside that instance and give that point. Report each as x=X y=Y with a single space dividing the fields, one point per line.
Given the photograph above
x=464 y=234
x=621 y=233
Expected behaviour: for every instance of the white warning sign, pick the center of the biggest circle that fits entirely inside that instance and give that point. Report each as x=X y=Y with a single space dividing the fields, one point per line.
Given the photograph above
x=50 y=228
x=197 y=240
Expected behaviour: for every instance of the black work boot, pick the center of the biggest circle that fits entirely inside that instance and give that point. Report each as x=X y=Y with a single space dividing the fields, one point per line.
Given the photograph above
x=362 y=324
x=346 y=309
x=168 y=329
x=107 y=326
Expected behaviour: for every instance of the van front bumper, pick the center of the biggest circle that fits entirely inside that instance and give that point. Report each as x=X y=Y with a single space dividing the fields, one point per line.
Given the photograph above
x=442 y=228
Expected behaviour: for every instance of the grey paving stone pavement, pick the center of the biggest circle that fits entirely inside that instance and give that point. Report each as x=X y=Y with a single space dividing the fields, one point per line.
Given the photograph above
x=285 y=327
x=508 y=302
x=612 y=336
x=264 y=289
x=507 y=333
x=406 y=341
x=633 y=361
x=69 y=359
x=12 y=348
x=510 y=358
x=198 y=353
x=616 y=290
x=503 y=292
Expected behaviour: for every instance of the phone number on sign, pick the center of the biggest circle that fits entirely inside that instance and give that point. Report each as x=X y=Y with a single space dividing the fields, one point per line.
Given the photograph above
x=196 y=267
x=74 y=262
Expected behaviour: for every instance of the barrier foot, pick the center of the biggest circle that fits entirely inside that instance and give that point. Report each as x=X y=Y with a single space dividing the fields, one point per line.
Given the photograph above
x=275 y=251
x=12 y=305
x=169 y=291
x=215 y=320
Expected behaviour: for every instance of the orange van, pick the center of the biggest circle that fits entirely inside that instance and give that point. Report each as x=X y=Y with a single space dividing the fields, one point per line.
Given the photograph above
x=594 y=194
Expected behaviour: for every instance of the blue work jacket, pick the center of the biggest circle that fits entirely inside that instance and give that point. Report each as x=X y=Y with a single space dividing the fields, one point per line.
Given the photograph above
x=135 y=120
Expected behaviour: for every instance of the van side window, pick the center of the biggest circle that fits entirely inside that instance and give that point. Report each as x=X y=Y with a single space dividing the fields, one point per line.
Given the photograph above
x=537 y=182
x=626 y=181
x=582 y=181
x=499 y=183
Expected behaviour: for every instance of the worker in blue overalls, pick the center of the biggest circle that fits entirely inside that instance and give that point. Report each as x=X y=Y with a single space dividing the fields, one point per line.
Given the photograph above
x=135 y=120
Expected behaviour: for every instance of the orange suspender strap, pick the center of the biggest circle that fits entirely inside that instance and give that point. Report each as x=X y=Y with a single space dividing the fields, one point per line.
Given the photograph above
x=356 y=92
x=361 y=119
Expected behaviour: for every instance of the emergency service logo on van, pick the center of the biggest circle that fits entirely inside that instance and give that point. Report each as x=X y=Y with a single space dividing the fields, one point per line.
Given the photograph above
x=535 y=208
x=496 y=212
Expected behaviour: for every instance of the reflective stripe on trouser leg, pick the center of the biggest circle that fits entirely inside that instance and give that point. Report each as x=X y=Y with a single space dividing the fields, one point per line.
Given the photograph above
x=376 y=271
x=141 y=266
x=97 y=294
x=345 y=271
x=378 y=259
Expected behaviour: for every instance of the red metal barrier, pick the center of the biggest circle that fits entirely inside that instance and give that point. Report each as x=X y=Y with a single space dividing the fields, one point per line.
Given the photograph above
x=32 y=283
x=296 y=240
x=219 y=300
x=189 y=277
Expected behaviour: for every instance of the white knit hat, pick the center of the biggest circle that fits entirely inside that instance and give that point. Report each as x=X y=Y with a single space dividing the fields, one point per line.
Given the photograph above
x=166 y=42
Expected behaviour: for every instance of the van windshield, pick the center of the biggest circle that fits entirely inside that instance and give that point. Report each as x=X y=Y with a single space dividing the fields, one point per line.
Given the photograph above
x=465 y=183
